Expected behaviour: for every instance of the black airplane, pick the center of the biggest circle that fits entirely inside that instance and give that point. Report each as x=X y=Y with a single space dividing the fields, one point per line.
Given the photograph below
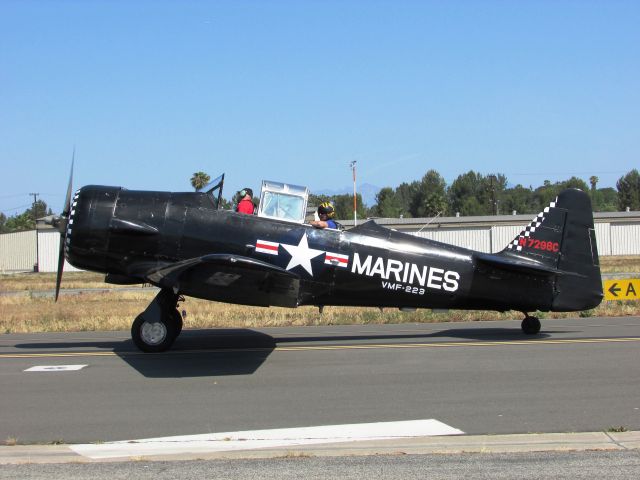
x=186 y=245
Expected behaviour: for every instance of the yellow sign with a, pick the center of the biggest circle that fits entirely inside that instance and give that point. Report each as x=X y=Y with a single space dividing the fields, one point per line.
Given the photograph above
x=623 y=289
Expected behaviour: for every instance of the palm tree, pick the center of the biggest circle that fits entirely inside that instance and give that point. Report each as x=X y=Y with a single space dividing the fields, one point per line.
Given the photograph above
x=594 y=181
x=199 y=180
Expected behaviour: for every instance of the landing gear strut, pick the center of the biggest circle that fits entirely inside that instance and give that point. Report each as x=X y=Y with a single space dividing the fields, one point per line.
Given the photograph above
x=530 y=325
x=155 y=329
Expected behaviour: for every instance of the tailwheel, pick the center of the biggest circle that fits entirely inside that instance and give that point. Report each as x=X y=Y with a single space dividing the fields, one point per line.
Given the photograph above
x=530 y=325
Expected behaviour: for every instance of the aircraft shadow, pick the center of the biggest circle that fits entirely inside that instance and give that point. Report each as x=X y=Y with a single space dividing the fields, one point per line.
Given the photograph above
x=210 y=353
x=195 y=353
x=228 y=352
x=483 y=334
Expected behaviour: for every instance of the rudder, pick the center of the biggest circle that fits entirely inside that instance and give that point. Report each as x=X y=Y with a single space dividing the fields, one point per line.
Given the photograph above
x=562 y=237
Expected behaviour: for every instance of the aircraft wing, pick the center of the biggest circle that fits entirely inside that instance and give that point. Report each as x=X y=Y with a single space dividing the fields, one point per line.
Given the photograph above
x=228 y=278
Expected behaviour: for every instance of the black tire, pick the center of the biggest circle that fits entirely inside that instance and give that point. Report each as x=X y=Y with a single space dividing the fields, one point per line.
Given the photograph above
x=530 y=325
x=178 y=321
x=154 y=337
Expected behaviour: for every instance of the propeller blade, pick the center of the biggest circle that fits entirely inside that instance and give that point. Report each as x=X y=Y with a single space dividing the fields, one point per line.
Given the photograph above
x=60 y=265
x=67 y=202
x=62 y=226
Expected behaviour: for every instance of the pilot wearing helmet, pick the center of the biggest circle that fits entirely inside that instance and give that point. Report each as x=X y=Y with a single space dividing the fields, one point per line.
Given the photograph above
x=326 y=213
x=245 y=204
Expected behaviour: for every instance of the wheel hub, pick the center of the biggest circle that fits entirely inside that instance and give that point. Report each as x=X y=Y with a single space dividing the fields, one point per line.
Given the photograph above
x=153 y=333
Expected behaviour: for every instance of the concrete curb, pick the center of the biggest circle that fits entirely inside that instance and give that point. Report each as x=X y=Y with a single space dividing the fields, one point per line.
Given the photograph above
x=515 y=443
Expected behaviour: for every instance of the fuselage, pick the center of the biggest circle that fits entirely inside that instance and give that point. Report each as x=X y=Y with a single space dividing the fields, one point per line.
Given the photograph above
x=127 y=233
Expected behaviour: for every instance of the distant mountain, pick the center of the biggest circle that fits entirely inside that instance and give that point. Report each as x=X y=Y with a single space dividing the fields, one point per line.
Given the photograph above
x=367 y=191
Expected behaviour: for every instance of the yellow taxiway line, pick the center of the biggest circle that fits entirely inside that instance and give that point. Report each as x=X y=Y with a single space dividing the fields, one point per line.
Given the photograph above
x=335 y=347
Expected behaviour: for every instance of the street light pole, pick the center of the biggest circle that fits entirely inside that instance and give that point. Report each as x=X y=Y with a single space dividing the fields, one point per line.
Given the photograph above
x=355 y=205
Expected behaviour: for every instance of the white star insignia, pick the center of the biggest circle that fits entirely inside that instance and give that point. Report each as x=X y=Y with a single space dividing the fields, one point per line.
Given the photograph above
x=301 y=254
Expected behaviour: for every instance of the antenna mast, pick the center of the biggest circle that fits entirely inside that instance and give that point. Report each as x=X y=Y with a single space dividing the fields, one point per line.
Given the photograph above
x=355 y=216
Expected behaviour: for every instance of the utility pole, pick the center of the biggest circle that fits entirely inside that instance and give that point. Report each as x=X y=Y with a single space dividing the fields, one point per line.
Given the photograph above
x=36 y=266
x=494 y=201
x=355 y=205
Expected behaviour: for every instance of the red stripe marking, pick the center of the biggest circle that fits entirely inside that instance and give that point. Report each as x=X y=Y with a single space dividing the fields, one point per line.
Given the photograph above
x=267 y=247
x=340 y=259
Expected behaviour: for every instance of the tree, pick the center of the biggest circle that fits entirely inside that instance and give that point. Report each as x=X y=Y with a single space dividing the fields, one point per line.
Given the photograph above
x=518 y=199
x=593 y=180
x=544 y=194
x=463 y=193
x=387 y=204
x=38 y=209
x=629 y=191
x=573 y=182
x=225 y=204
x=405 y=193
x=473 y=194
x=548 y=192
x=199 y=180
x=604 y=200
x=3 y=221
x=18 y=223
x=344 y=206
x=495 y=186
x=315 y=200
x=430 y=196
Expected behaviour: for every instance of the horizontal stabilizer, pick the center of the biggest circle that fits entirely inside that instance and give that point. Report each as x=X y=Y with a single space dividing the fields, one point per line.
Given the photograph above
x=519 y=264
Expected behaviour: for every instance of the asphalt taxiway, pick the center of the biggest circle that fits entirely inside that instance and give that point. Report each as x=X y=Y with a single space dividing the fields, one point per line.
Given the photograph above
x=482 y=379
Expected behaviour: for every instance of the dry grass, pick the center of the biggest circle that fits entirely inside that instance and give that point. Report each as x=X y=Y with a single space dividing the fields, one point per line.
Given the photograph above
x=47 y=281
x=11 y=441
x=116 y=309
x=623 y=264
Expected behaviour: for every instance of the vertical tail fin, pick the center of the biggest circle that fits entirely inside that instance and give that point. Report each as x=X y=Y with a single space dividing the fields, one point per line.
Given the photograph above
x=562 y=237
x=541 y=240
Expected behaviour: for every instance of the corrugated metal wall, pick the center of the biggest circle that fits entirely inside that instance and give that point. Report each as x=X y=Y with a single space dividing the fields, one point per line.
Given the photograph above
x=48 y=245
x=625 y=239
x=612 y=239
x=473 y=238
x=502 y=236
x=17 y=251
x=603 y=238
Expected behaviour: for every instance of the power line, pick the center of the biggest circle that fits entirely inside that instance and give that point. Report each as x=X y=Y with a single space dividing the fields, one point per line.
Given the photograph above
x=16 y=208
x=563 y=173
x=14 y=195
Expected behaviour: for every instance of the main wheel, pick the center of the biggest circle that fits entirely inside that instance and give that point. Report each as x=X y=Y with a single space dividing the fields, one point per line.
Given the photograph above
x=530 y=325
x=177 y=318
x=157 y=336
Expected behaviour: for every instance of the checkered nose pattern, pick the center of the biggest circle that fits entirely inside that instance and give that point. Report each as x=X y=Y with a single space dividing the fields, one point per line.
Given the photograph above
x=517 y=243
x=72 y=213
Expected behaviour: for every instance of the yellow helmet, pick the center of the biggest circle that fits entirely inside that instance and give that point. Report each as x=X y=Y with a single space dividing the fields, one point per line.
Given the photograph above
x=327 y=209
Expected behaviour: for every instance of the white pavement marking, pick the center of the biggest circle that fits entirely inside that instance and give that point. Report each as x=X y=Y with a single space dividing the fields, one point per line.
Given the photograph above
x=55 y=368
x=256 y=439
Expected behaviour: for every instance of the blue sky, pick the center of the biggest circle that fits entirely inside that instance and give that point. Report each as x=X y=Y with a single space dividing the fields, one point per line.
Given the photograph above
x=149 y=92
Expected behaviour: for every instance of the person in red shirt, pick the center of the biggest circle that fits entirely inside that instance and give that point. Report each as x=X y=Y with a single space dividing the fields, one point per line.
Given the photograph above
x=245 y=205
